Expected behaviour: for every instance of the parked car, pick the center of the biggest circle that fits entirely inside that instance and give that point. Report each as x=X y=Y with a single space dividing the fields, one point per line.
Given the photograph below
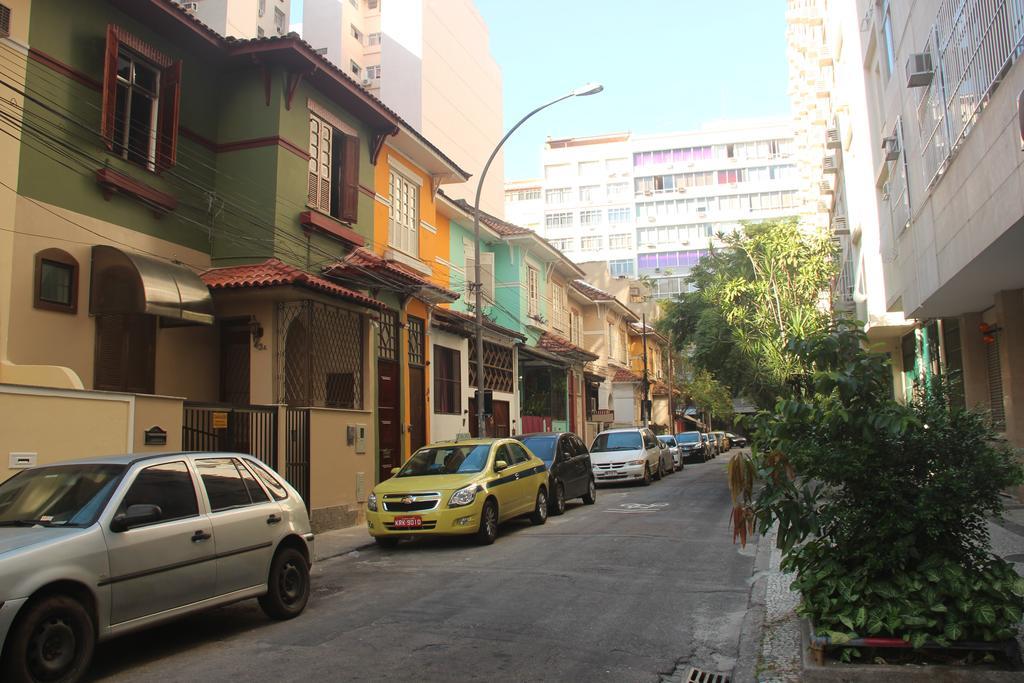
x=668 y=465
x=96 y=548
x=694 y=446
x=673 y=449
x=723 y=440
x=459 y=488
x=570 y=474
x=736 y=440
x=712 y=444
x=627 y=454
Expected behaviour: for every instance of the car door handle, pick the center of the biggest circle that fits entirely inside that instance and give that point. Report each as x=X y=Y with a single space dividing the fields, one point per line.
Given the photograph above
x=200 y=536
x=273 y=519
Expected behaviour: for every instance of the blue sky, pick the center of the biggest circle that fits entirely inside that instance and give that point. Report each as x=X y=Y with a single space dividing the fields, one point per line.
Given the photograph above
x=666 y=65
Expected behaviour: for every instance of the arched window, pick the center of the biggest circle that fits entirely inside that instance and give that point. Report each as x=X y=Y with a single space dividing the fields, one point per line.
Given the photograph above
x=56 y=281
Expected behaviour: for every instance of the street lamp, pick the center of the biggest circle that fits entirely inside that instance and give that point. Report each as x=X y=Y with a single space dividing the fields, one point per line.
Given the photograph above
x=582 y=91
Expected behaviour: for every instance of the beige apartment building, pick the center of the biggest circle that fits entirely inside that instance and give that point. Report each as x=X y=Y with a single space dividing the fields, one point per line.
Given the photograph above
x=939 y=128
x=430 y=61
x=242 y=18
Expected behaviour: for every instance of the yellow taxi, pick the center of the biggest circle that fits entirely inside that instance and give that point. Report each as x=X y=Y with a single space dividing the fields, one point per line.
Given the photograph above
x=459 y=487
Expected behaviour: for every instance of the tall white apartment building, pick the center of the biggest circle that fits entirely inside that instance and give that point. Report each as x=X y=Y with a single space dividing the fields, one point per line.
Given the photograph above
x=242 y=18
x=651 y=205
x=430 y=61
x=929 y=118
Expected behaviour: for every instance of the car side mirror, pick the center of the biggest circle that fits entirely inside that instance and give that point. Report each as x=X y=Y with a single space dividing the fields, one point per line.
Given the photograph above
x=136 y=515
x=395 y=470
x=500 y=465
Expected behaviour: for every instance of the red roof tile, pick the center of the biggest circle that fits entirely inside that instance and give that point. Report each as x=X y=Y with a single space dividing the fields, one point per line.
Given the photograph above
x=659 y=389
x=591 y=292
x=369 y=269
x=275 y=273
x=624 y=375
x=556 y=344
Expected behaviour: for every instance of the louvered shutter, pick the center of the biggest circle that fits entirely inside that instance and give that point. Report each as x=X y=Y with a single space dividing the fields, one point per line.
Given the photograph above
x=110 y=333
x=348 y=180
x=167 y=120
x=487 y=275
x=324 y=167
x=313 y=188
x=107 y=126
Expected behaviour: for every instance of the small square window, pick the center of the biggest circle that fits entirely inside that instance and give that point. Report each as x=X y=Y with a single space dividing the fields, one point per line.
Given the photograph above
x=56 y=281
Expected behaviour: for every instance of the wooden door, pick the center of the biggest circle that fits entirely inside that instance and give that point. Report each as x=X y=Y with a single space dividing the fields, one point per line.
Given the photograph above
x=234 y=362
x=389 y=425
x=496 y=424
x=572 y=401
x=417 y=408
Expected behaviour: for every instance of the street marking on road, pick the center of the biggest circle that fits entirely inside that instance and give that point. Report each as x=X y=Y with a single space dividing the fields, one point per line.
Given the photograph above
x=634 y=508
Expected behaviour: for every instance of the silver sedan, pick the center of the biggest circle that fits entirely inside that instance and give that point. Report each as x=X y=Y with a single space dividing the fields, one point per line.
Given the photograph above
x=92 y=549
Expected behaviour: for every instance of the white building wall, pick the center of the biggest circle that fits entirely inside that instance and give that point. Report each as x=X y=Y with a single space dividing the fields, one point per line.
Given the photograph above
x=444 y=426
x=624 y=405
x=243 y=18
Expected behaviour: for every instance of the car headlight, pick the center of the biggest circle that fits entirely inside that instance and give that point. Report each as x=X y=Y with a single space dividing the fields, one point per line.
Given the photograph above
x=463 y=497
x=371 y=502
x=641 y=461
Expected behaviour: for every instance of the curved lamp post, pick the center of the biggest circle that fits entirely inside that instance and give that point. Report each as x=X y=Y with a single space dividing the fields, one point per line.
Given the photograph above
x=583 y=91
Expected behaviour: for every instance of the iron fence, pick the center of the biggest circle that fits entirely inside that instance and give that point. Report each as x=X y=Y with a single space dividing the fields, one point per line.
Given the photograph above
x=230 y=428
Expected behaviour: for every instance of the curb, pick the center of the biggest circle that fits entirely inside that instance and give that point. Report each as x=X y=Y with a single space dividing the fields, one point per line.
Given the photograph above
x=752 y=628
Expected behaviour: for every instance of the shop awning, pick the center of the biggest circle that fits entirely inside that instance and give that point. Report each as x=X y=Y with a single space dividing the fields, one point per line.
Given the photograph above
x=531 y=356
x=126 y=282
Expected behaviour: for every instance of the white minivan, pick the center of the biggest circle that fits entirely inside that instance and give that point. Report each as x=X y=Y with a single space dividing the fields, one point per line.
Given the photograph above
x=627 y=454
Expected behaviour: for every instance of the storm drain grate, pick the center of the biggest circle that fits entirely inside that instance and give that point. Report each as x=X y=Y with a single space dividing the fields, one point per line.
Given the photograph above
x=698 y=676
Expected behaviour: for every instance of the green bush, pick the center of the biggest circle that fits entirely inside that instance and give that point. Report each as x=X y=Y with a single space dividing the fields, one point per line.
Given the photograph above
x=881 y=507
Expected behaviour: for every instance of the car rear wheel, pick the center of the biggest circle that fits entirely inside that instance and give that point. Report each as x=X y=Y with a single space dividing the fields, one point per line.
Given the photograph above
x=590 y=497
x=558 y=502
x=540 y=509
x=488 y=530
x=287 y=586
x=53 y=641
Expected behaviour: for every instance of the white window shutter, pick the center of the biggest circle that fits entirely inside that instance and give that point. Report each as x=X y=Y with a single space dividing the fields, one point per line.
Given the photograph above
x=487 y=275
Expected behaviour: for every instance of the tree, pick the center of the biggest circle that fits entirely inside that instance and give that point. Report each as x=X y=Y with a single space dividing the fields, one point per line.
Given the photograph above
x=704 y=391
x=768 y=283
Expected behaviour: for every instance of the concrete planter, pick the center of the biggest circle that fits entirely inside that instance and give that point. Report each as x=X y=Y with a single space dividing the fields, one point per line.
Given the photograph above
x=815 y=669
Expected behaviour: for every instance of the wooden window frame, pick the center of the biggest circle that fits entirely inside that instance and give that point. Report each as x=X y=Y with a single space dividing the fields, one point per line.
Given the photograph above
x=60 y=258
x=333 y=183
x=167 y=103
x=447 y=364
x=404 y=197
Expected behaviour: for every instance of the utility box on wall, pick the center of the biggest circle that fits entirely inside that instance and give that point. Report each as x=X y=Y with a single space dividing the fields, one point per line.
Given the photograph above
x=360 y=439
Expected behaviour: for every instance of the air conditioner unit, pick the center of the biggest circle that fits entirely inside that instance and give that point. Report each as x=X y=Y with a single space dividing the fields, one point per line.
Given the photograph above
x=891 y=145
x=651 y=219
x=647 y=193
x=680 y=190
x=920 y=70
x=829 y=164
x=840 y=226
x=193 y=6
x=367 y=81
x=832 y=139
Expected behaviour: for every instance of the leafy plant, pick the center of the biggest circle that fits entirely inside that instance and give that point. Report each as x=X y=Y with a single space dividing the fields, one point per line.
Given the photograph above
x=763 y=286
x=881 y=507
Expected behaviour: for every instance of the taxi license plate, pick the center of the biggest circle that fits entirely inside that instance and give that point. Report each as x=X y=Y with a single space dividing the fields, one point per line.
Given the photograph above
x=408 y=522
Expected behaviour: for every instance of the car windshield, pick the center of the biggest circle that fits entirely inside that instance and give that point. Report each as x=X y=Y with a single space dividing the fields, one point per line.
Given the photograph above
x=617 y=441
x=688 y=437
x=447 y=460
x=541 y=446
x=61 y=495
x=667 y=440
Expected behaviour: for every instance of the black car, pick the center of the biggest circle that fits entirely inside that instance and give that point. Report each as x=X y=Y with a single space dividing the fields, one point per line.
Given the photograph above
x=570 y=474
x=737 y=440
x=692 y=447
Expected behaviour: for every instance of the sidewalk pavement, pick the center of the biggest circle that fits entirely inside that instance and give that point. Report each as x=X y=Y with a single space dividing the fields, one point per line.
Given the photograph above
x=780 y=656
x=337 y=542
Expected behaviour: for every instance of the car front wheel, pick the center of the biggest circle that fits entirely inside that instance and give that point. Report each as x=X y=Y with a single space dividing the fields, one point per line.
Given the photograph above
x=540 y=509
x=591 y=495
x=488 y=531
x=647 y=476
x=53 y=641
x=287 y=586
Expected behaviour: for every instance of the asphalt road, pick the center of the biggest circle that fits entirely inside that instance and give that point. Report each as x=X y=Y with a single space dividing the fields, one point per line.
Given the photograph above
x=629 y=589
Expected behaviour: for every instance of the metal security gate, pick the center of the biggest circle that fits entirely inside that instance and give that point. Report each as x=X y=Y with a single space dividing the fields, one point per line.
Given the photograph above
x=234 y=429
x=296 y=454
